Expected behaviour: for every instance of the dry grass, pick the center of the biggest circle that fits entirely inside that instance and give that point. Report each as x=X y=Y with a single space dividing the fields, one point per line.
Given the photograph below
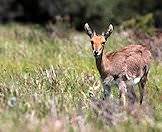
x=46 y=84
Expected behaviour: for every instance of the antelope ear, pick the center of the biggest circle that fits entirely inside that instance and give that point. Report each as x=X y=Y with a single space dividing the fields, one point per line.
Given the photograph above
x=108 y=32
x=88 y=30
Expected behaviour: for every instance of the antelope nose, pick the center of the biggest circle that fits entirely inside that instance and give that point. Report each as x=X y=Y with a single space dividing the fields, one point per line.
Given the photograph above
x=95 y=52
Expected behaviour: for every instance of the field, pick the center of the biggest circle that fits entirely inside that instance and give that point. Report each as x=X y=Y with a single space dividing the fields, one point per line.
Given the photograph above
x=49 y=84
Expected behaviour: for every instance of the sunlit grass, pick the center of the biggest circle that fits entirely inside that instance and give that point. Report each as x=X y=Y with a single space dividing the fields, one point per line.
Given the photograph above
x=46 y=83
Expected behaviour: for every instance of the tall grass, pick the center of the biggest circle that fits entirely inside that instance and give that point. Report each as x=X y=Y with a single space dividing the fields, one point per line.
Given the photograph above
x=46 y=84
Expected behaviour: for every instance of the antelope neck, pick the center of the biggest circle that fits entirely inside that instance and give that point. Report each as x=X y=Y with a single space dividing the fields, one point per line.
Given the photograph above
x=100 y=63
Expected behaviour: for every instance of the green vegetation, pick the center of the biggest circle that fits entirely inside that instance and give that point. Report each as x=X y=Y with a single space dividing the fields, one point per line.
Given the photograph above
x=143 y=24
x=45 y=83
x=76 y=12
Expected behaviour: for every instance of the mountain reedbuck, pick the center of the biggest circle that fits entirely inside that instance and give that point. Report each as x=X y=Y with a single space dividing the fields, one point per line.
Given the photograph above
x=125 y=68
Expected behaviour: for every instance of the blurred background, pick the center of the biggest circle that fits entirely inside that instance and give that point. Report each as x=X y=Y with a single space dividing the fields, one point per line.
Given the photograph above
x=75 y=13
x=48 y=76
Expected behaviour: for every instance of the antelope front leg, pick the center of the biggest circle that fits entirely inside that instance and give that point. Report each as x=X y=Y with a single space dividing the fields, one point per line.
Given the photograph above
x=123 y=91
x=107 y=86
x=107 y=90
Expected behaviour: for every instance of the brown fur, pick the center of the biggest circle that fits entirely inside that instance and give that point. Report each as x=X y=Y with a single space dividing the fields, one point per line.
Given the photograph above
x=126 y=66
x=129 y=60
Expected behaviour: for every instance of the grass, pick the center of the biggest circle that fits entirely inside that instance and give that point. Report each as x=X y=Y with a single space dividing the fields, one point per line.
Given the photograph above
x=46 y=83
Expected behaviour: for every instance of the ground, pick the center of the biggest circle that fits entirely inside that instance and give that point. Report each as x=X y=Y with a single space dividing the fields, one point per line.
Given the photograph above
x=50 y=83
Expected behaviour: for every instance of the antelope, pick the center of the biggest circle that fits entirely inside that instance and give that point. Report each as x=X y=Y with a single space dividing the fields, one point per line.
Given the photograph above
x=125 y=68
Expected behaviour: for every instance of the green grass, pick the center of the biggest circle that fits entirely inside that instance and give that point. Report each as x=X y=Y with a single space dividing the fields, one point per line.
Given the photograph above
x=45 y=83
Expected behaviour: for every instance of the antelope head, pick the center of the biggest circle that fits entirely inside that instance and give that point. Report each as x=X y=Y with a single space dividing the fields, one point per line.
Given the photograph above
x=98 y=41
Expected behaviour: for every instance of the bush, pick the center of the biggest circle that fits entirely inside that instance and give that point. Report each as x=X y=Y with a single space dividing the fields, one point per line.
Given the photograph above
x=77 y=12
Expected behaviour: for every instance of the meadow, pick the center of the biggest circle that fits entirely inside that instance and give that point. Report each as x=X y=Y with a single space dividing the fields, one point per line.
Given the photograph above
x=52 y=84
